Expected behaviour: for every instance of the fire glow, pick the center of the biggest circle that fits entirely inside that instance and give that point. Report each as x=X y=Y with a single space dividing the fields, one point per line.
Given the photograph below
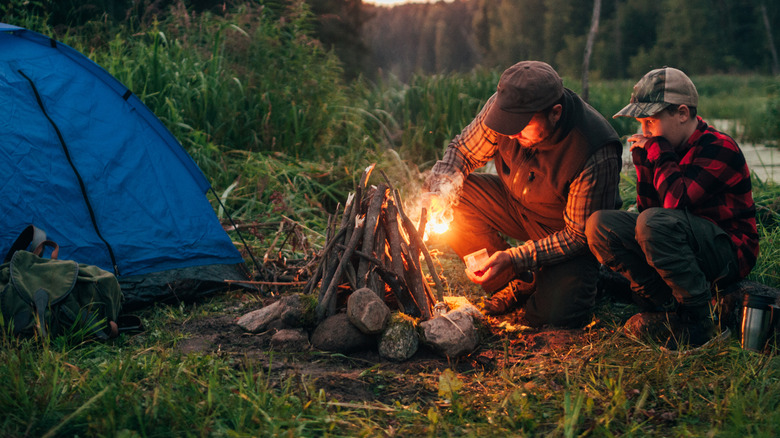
x=439 y=217
x=438 y=223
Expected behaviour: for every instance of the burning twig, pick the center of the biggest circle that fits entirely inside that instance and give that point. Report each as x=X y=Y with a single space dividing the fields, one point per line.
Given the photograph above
x=417 y=239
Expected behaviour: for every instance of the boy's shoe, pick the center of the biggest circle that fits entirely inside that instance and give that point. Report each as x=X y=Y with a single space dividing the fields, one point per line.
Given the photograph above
x=689 y=326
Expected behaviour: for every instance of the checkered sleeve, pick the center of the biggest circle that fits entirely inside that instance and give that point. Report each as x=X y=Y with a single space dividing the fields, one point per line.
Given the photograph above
x=680 y=189
x=469 y=150
x=595 y=188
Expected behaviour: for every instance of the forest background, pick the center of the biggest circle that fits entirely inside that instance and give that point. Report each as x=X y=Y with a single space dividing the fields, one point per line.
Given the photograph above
x=698 y=36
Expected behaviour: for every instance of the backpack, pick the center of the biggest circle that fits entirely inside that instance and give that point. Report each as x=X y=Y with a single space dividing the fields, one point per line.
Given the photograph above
x=50 y=296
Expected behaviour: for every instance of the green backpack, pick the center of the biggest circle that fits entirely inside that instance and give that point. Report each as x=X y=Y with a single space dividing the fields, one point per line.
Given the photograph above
x=51 y=296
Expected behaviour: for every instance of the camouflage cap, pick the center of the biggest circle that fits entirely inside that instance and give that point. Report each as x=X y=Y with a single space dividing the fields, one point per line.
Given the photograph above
x=523 y=90
x=657 y=90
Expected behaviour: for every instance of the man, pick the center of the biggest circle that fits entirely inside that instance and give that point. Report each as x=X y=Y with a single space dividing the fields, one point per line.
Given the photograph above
x=695 y=226
x=557 y=161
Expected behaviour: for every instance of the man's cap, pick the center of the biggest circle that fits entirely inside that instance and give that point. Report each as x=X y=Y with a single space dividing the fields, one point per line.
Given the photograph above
x=523 y=90
x=657 y=90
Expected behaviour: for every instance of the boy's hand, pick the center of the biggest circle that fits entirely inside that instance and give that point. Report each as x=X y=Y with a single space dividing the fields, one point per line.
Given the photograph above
x=638 y=141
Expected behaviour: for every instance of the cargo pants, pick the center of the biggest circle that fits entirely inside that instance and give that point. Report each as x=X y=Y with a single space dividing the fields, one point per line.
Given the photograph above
x=486 y=212
x=669 y=256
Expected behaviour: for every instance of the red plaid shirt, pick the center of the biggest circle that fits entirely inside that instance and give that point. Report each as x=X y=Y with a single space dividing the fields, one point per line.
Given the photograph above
x=708 y=176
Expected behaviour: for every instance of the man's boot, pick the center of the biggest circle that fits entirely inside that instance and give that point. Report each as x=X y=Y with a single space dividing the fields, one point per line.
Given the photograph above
x=511 y=296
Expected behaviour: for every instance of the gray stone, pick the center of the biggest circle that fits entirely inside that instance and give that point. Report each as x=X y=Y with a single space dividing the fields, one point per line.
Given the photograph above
x=400 y=340
x=338 y=335
x=464 y=305
x=290 y=340
x=298 y=310
x=257 y=320
x=452 y=334
x=367 y=311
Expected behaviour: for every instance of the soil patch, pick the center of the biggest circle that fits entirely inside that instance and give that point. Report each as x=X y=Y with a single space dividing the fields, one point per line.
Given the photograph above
x=365 y=376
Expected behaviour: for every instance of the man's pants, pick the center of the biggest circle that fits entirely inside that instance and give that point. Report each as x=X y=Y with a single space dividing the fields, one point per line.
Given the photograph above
x=664 y=253
x=565 y=292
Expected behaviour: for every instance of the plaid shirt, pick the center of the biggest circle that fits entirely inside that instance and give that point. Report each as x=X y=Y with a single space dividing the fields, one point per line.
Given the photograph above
x=593 y=189
x=708 y=176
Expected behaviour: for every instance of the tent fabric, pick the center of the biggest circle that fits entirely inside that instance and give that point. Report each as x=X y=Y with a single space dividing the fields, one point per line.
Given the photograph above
x=82 y=158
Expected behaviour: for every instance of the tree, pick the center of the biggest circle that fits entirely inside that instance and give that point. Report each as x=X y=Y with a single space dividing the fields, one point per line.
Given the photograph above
x=594 y=27
x=771 y=40
x=338 y=28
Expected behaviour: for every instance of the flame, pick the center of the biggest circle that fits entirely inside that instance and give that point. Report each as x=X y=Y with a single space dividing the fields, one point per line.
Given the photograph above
x=439 y=217
x=437 y=227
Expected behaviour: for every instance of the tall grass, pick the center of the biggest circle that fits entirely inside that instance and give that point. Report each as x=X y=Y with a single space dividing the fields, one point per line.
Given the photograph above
x=262 y=109
x=127 y=389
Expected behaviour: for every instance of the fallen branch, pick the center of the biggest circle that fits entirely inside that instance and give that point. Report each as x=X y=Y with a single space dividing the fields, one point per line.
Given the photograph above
x=268 y=283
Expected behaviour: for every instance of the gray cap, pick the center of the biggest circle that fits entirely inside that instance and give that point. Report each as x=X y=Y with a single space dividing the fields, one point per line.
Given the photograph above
x=657 y=90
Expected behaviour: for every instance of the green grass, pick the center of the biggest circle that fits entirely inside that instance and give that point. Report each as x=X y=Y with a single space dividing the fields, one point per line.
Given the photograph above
x=602 y=385
x=263 y=111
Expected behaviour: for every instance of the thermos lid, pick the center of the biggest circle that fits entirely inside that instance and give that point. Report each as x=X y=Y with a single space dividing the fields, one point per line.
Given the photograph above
x=758 y=301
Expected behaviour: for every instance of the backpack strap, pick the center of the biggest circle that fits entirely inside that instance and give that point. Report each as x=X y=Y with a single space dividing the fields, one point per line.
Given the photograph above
x=42 y=246
x=30 y=237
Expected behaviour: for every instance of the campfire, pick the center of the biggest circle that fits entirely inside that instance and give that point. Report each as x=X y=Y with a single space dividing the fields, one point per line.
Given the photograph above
x=370 y=286
x=376 y=245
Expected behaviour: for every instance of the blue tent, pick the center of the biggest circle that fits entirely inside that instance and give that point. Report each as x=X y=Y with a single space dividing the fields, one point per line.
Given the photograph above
x=83 y=159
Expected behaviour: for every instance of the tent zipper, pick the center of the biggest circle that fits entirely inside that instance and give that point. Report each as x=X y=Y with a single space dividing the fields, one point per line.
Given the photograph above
x=75 y=171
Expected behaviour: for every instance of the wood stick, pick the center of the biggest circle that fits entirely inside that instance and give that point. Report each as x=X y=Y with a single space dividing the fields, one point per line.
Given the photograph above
x=360 y=189
x=348 y=220
x=273 y=244
x=330 y=260
x=414 y=280
x=397 y=250
x=429 y=262
x=387 y=180
x=398 y=286
x=372 y=222
x=248 y=225
x=394 y=238
x=422 y=223
x=324 y=304
x=268 y=283
x=380 y=251
x=351 y=275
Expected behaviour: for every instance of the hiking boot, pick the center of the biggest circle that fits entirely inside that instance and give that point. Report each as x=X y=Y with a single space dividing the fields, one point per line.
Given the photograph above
x=511 y=296
x=689 y=326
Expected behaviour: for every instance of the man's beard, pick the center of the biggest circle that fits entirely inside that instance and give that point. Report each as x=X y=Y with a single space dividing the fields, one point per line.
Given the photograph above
x=531 y=143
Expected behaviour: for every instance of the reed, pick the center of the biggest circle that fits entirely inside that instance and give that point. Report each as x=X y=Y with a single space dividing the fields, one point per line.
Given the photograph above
x=262 y=109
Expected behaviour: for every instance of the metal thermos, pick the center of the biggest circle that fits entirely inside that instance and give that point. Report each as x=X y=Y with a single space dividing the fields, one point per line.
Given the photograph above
x=756 y=321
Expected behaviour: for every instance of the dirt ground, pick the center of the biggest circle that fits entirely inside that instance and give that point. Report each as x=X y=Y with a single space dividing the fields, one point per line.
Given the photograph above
x=365 y=376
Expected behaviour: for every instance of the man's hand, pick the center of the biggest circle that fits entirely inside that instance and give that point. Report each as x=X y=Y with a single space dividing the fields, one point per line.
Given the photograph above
x=498 y=269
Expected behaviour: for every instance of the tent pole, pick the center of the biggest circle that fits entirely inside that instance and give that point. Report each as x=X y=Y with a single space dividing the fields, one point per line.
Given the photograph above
x=235 y=227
